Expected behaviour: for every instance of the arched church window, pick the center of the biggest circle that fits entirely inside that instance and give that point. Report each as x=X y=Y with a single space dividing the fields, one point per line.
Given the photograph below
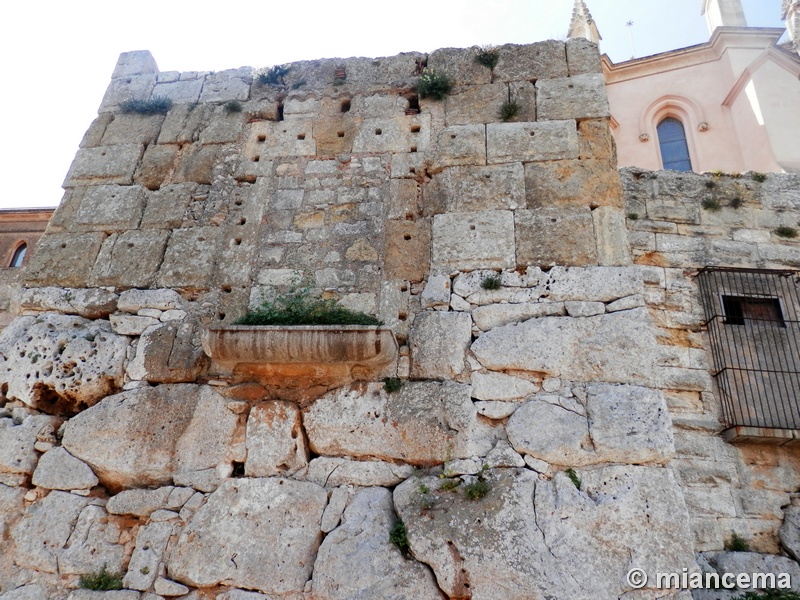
x=672 y=141
x=19 y=256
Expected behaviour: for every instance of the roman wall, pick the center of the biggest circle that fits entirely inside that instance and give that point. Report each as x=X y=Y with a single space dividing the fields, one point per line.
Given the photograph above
x=551 y=432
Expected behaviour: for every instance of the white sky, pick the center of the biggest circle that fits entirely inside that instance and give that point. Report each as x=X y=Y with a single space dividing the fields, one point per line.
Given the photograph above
x=58 y=55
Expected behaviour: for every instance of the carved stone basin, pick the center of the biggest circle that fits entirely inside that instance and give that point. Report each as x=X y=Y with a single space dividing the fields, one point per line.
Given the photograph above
x=301 y=360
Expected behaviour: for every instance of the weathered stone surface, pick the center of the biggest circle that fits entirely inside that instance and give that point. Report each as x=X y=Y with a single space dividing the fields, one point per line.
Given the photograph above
x=595 y=141
x=466 y=105
x=44 y=530
x=129 y=439
x=142 y=503
x=168 y=353
x=612 y=243
x=59 y=470
x=554 y=236
x=593 y=284
x=199 y=243
x=588 y=349
x=476 y=240
x=393 y=135
x=460 y=65
x=130 y=128
x=495 y=315
x=327 y=471
x=754 y=562
x=166 y=208
x=11 y=506
x=499 y=386
x=424 y=423
x=624 y=424
x=790 y=531
x=132 y=301
x=109 y=165
x=260 y=534
x=584 y=309
x=203 y=452
x=93 y=543
x=514 y=142
x=89 y=303
x=111 y=595
x=148 y=554
x=408 y=249
x=439 y=341
x=64 y=259
x=17 y=452
x=575 y=97
x=224 y=86
x=61 y=364
x=130 y=258
x=436 y=292
x=542 y=60
x=276 y=444
x=460 y=145
x=573 y=544
x=26 y=592
x=166 y=587
x=583 y=56
x=571 y=183
x=131 y=324
x=467 y=189
x=361 y=545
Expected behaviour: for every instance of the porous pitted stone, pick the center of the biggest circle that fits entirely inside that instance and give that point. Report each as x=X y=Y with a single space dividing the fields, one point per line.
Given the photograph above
x=89 y=303
x=260 y=534
x=361 y=545
x=61 y=364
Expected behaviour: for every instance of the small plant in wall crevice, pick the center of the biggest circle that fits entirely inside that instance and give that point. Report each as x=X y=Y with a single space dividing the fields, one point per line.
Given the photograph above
x=154 y=106
x=433 y=84
x=509 y=110
x=492 y=282
x=487 y=56
x=102 y=580
x=785 y=231
x=399 y=537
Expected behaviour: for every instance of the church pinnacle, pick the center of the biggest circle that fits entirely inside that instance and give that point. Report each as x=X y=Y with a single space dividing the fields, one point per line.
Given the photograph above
x=582 y=24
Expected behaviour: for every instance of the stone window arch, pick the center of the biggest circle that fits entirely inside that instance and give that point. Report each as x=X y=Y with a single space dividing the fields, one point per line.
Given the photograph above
x=19 y=256
x=672 y=145
x=669 y=109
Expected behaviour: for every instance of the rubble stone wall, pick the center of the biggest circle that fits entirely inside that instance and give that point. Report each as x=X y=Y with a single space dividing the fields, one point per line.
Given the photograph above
x=537 y=446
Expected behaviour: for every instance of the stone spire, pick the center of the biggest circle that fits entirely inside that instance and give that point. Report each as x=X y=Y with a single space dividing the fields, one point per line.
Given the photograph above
x=790 y=12
x=582 y=24
x=723 y=13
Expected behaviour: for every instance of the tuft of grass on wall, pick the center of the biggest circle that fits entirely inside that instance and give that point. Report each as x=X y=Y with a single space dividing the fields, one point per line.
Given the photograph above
x=487 y=56
x=232 y=106
x=508 y=110
x=156 y=105
x=102 y=580
x=433 y=84
x=785 y=231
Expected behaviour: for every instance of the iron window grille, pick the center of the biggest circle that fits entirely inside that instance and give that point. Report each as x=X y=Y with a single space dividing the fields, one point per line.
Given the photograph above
x=752 y=320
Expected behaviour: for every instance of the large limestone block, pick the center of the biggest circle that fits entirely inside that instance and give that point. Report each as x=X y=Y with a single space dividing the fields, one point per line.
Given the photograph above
x=91 y=303
x=612 y=241
x=499 y=386
x=572 y=183
x=470 y=104
x=460 y=145
x=59 y=470
x=583 y=57
x=619 y=423
x=439 y=342
x=189 y=258
x=43 y=531
x=142 y=503
x=515 y=142
x=408 y=249
x=129 y=128
x=137 y=62
x=12 y=505
x=268 y=139
x=130 y=258
x=166 y=207
x=61 y=364
x=104 y=164
x=593 y=284
x=754 y=562
x=790 y=531
x=168 y=353
x=614 y=348
x=129 y=439
x=330 y=472
x=156 y=165
x=546 y=539
x=64 y=259
x=17 y=453
x=460 y=65
x=203 y=452
x=180 y=91
x=476 y=240
x=424 y=423
x=361 y=545
x=542 y=60
x=276 y=444
x=259 y=534
x=555 y=236
x=137 y=87
x=577 y=97
x=466 y=189
x=231 y=84
x=132 y=301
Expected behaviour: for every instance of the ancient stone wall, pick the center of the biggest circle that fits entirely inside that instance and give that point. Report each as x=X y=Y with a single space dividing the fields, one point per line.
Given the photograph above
x=529 y=451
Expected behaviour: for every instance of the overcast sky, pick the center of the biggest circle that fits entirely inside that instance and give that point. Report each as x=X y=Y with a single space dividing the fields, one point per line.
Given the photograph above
x=58 y=55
